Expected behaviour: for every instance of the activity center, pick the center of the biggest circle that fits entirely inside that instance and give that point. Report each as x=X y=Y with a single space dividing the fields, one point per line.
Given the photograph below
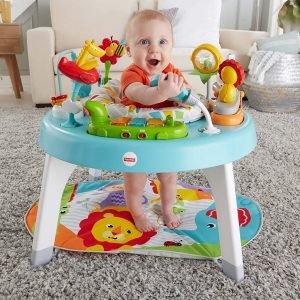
x=95 y=130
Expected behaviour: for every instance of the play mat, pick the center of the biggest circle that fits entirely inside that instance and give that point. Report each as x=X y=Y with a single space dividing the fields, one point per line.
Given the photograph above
x=93 y=217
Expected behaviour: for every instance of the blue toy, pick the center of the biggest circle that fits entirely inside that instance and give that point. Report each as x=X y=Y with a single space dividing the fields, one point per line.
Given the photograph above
x=182 y=97
x=190 y=98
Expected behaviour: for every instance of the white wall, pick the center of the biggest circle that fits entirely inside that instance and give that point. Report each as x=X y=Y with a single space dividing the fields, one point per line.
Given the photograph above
x=236 y=14
x=44 y=13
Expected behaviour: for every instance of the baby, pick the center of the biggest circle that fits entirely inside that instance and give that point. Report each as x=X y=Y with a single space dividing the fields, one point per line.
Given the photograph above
x=149 y=43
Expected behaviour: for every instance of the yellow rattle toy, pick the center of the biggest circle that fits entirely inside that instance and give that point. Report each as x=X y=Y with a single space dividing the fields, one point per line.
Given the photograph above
x=227 y=108
x=232 y=75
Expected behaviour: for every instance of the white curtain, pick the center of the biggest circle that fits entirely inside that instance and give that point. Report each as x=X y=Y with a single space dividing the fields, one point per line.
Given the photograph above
x=274 y=7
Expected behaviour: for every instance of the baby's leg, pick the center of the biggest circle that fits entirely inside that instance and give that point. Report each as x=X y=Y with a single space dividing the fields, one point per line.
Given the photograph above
x=168 y=197
x=134 y=184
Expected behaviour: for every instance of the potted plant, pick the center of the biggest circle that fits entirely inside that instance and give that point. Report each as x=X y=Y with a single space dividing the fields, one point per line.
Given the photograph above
x=289 y=16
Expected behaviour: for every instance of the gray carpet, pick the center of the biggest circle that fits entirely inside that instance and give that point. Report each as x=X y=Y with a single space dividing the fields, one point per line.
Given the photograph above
x=270 y=175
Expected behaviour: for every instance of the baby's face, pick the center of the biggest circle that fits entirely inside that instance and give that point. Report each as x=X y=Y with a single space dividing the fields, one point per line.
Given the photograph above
x=150 y=45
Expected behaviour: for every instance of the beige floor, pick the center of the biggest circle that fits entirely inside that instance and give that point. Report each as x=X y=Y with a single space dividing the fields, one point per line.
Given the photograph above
x=7 y=97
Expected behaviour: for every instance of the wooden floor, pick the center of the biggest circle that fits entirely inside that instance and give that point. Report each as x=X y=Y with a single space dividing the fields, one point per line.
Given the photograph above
x=7 y=97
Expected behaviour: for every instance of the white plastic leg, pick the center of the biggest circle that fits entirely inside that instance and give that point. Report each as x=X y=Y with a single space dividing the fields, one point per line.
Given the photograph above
x=94 y=174
x=221 y=180
x=55 y=177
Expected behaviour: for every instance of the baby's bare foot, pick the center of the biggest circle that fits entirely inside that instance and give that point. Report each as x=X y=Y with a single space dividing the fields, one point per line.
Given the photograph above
x=143 y=224
x=171 y=220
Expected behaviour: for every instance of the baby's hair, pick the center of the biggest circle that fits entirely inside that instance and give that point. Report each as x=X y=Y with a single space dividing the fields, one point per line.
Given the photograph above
x=146 y=15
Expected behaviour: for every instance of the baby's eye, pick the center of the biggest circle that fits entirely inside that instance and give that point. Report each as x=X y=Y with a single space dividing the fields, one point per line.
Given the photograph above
x=163 y=42
x=145 y=42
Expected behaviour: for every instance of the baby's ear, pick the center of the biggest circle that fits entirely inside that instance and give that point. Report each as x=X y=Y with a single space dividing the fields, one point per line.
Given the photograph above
x=128 y=50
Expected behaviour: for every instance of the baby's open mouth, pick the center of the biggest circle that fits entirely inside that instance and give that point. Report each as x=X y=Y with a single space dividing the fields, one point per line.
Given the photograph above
x=153 y=62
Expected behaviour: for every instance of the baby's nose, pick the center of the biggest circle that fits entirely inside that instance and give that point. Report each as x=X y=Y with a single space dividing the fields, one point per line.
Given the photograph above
x=153 y=48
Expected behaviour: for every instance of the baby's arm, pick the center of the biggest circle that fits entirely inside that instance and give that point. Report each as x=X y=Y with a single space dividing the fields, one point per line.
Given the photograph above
x=166 y=89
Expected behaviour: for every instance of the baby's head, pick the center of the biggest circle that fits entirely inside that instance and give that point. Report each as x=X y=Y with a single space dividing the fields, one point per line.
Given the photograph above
x=149 y=41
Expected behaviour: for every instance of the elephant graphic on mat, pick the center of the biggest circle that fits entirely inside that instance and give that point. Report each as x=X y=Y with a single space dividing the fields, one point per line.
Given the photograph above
x=206 y=231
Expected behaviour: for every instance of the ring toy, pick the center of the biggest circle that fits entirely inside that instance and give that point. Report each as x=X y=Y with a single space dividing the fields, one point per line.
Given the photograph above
x=202 y=67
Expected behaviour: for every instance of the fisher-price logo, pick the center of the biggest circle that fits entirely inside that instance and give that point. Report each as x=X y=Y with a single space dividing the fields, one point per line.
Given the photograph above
x=129 y=159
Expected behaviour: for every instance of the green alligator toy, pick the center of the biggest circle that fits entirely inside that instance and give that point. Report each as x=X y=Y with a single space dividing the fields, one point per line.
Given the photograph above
x=131 y=128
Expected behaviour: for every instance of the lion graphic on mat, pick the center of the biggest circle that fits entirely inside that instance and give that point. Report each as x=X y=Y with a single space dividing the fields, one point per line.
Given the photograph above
x=111 y=229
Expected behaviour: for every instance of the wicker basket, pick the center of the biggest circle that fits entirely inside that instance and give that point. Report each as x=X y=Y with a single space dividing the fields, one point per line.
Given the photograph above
x=272 y=98
x=284 y=71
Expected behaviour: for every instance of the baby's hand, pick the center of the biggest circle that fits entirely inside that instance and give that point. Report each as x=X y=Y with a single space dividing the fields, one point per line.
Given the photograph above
x=170 y=85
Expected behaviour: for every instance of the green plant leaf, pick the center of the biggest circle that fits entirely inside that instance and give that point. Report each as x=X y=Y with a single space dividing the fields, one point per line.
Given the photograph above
x=296 y=12
x=295 y=3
